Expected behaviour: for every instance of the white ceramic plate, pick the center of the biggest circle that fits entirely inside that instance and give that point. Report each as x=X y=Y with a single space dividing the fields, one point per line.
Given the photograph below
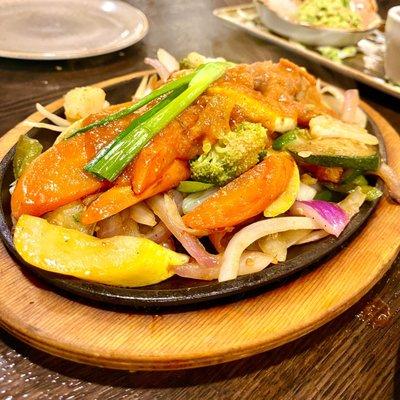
x=66 y=29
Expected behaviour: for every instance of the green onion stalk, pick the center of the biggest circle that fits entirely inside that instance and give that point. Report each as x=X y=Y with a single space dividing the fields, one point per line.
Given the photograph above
x=167 y=88
x=135 y=123
x=193 y=186
x=110 y=163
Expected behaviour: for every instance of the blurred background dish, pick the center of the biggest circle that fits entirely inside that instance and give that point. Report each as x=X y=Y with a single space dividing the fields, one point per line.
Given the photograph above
x=312 y=23
x=67 y=29
x=392 y=33
x=363 y=61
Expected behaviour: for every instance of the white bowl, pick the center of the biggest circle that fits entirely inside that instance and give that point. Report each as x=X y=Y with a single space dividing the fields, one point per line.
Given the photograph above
x=311 y=35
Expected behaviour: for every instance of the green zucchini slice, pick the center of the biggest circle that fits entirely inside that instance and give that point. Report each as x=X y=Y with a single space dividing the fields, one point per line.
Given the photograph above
x=329 y=152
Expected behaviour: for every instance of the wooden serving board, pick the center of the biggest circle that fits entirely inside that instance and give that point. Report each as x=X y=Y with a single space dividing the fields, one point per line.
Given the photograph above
x=125 y=339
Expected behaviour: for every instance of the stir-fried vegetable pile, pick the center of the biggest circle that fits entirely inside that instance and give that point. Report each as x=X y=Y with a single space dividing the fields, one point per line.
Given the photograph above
x=254 y=157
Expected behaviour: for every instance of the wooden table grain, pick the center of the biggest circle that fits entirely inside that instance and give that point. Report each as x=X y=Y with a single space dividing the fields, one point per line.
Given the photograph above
x=356 y=356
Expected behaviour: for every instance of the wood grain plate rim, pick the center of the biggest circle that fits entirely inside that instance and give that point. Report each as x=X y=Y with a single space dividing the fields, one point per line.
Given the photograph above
x=194 y=338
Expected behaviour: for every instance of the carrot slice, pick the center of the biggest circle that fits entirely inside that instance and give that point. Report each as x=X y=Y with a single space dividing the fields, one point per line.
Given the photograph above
x=245 y=197
x=327 y=174
x=118 y=198
x=54 y=179
x=173 y=142
x=57 y=176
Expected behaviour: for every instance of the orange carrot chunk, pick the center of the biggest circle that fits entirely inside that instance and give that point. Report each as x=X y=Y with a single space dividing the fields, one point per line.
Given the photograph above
x=57 y=177
x=118 y=198
x=173 y=142
x=54 y=179
x=245 y=197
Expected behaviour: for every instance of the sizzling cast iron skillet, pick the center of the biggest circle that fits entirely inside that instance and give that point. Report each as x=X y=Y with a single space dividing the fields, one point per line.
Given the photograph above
x=174 y=291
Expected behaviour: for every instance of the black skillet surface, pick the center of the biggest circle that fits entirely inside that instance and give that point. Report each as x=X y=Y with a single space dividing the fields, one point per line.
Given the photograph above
x=175 y=291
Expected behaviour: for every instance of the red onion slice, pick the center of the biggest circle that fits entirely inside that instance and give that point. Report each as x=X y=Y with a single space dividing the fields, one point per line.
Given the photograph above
x=329 y=216
x=250 y=262
x=159 y=233
x=173 y=221
x=161 y=70
x=350 y=205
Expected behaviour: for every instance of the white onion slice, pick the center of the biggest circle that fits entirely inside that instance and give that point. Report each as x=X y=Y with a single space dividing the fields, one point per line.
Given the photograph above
x=326 y=126
x=391 y=180
x=313 y=236
x=293 y=237
x=333 y=98
x=353 y=201
x=142 y=214
x=52 y=117
x=333 y=90
x=173 y=212
x=306 y=192
x=43 y=125
x=177 y=197
x=141 y=90
x=117 y=225
x=170 y=63
x=193 y=270
x=274 y=246
x=286 y=240
x=248 y=235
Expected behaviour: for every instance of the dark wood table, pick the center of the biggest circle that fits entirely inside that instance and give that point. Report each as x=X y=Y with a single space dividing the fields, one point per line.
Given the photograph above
x=353 y=357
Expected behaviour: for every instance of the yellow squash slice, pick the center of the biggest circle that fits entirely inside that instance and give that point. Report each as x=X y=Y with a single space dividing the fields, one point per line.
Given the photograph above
x=120 y=260
x=287 y=198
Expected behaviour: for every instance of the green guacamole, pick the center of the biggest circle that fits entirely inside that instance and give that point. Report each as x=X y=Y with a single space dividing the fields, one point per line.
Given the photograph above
x=329 y=14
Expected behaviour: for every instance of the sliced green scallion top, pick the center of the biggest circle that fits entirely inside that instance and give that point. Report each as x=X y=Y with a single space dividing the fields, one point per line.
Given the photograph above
x=110 y=163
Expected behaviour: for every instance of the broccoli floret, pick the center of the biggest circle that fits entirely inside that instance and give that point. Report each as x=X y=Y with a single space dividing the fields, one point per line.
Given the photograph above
x=193 y=60
x=234 y=153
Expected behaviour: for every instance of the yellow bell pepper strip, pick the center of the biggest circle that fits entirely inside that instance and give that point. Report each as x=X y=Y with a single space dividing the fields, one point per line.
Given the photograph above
x=287 y=198
x=120 y=260
x=256 y=108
